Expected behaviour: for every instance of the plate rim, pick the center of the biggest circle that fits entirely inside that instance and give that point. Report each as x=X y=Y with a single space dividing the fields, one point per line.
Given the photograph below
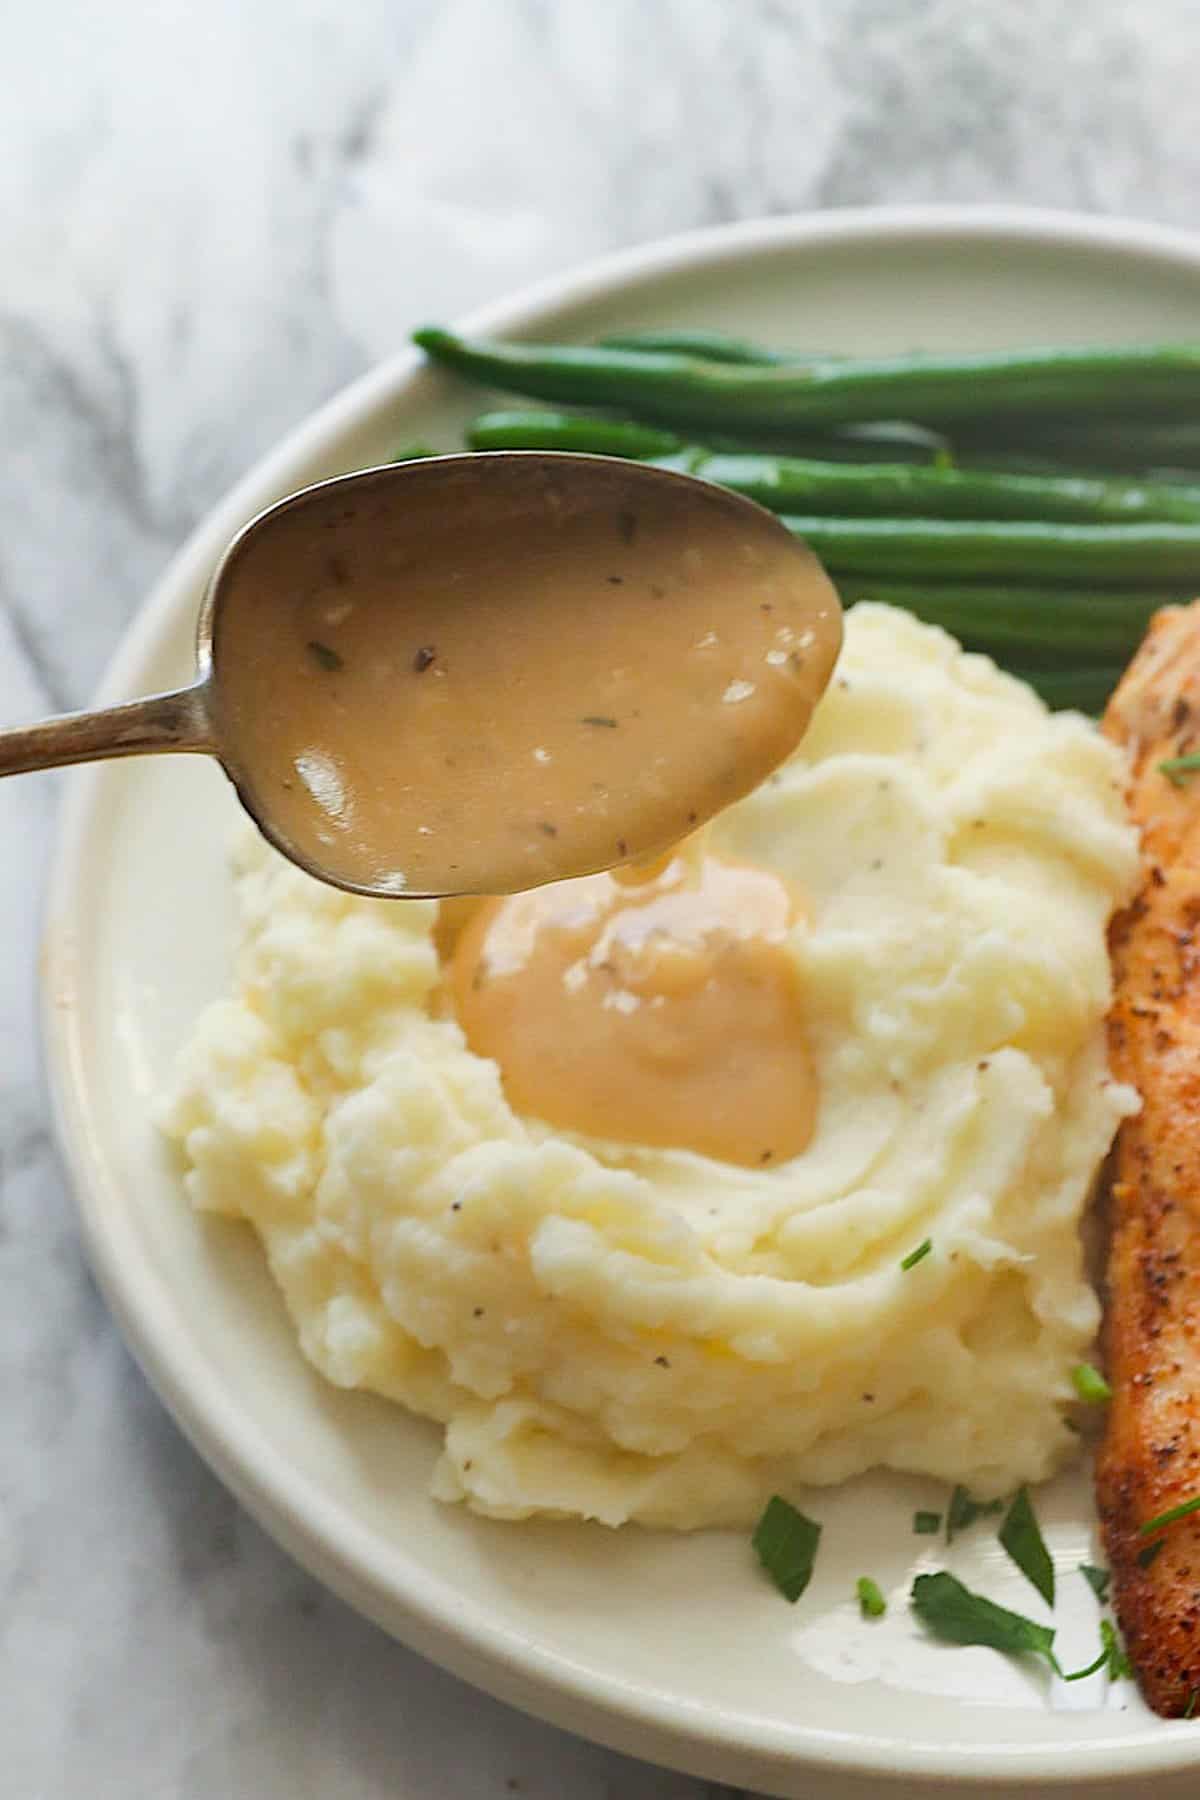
x=321 y=1534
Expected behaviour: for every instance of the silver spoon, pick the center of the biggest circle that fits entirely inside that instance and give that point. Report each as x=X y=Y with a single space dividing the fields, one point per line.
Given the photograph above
x=478 y=673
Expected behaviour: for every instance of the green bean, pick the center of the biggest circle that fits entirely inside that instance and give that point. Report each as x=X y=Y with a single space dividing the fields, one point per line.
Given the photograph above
x=598 y=434
x=947 y=549
x=1124 y=443
x=894 y=441
x=883 y=441
x=604 y=434
x=713 y=346
x=930 y=389
x=888 y=441
x=1049 y=625
x=788 y=484
x=999 y=460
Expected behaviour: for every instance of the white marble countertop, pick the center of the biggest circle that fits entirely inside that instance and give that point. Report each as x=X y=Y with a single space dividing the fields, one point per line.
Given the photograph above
x=210 y=218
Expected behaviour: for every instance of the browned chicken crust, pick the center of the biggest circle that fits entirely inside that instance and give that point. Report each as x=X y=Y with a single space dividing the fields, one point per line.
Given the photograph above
x=1150 y=1456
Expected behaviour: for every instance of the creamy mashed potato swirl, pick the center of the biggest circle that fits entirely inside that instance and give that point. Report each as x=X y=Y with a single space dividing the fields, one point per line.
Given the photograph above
x=625 y=1333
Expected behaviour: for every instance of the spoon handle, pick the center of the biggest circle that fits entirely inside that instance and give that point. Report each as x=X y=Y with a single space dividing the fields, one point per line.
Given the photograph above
x=177 y=721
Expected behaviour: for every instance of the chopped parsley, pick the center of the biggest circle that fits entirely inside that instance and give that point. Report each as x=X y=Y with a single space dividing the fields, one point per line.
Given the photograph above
x=324 y=657
x=599 y=719
x=1112 y=1658
x=870 y=1599
x=786 y=1544
x=1119 y=1666
x=918 y=1255
x=1169 y=1517
x=952 y=1612
x=927 y=1524
x=1178 y=768
x=1190 y=1708
x=963 y=1511
x=1093 y=1668
x=1022 y=1537
x=1090 y=1384
x=1146 y=1557
x=1097 y=1580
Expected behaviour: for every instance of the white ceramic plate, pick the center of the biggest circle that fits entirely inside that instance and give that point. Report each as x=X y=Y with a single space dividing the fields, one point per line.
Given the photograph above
x=669 y=1647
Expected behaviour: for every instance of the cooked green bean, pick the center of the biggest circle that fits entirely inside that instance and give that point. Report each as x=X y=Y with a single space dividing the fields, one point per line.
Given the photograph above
x=1001 y=460
x=930 y=389
x=1110 y=443
x=789 y=484
x=600 y=435
x=885 y=441
x=1002 y=539
x=1051 y=625
x=946 y=549
x=519 y=428
x=713 y=346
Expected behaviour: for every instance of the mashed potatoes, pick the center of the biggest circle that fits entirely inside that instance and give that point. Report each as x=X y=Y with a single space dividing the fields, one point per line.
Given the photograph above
x=626 y=1333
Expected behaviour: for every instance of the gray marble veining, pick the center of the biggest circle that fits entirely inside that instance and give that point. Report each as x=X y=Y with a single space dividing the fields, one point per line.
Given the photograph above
x=210 y=218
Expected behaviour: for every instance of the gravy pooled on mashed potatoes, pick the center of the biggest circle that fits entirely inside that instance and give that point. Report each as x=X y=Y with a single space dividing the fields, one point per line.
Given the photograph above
x=481 y=711
x=622 y=1331
x=663 y=1012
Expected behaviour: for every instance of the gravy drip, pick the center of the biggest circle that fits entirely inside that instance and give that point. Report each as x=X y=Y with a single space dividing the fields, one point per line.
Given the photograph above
x=664 y=1013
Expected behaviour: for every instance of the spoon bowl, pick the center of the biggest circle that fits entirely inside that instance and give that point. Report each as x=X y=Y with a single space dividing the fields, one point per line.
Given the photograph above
x=479 y=673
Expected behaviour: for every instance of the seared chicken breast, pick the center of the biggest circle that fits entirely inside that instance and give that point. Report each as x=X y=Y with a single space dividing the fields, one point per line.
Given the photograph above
x=1150 y=1457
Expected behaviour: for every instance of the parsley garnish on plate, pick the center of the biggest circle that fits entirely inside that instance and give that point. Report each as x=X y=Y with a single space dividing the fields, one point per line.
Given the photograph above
x=964 y=1511
x=870 y=1598
x=1112 y=1658
x=786 y=1543
x=1022 y=1537
x=927 y=1524
x=1093 y=1668
x=952 y=1612
x=1090 y=1384
x=1097 y=1580
x=1169 y=1517
x=1119 y=1666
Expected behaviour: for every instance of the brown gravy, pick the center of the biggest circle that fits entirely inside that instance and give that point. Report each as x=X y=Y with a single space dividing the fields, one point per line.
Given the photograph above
x=436 y=710
x=664 y=1013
